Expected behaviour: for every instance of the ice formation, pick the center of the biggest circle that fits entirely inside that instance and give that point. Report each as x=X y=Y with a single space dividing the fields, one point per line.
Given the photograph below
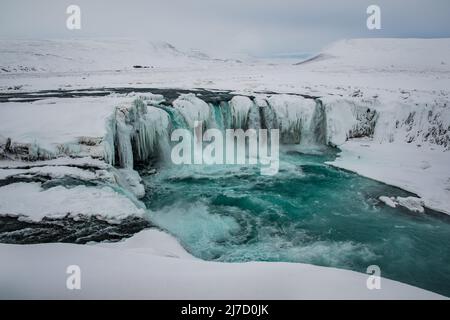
x=240 y=108
x=135 y=132
x=295 y=117
x=413 y=204
x=192 y=108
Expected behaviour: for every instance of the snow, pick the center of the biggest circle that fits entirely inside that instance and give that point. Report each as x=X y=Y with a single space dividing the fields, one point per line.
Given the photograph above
x=340 y=119
x=385 y=55
x=150 y=265
x=414 y=122
x=402 y=165
x=30 y=56
x=144 y=124
x=57 y=126
x=130 y=179
x=404 y=81
x=411 y=203
x=240 y=108
x=192 y=108
x=81 y=162
x=152 y=242
x=57 y=172
x=294 y=115
x=389 y=201
x=34 y=203
x=152 y=131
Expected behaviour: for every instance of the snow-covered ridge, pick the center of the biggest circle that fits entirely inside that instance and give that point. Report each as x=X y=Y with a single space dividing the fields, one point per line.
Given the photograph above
x=384 y=54
x=24 y=56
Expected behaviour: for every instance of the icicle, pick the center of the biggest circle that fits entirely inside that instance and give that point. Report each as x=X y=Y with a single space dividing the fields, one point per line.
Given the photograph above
x=347 y=118
x=240 y=108
x=254 y=117
x=123 y=140
x=150 y=129
x=137 y=131
x=226 y=115
x=294 y=115
x=268 y=116
x=217 y=117
x=192 y=108
x=318 y=131
x=108 y=140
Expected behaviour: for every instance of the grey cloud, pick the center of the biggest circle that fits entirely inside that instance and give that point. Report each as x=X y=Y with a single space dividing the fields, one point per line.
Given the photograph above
x=254 y=26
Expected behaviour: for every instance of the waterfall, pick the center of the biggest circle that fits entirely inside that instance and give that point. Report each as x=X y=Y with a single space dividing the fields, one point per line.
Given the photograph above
x=141 y=132
x=254 y=117
x=240 y=108
x=135 y=133
x=226 y=115
x=217 y=115
x=296 y=117
x=192 y=108
x=268 y=118
x=123 y=140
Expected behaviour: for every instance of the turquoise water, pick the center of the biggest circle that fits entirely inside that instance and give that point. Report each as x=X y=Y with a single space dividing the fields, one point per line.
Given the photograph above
x=309 y=212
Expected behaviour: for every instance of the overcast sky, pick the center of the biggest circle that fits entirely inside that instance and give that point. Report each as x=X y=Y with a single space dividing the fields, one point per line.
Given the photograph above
x=253 y=26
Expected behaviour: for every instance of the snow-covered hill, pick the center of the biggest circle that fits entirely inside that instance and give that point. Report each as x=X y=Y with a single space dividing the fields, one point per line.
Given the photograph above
x=385 y=55
x=19 y=56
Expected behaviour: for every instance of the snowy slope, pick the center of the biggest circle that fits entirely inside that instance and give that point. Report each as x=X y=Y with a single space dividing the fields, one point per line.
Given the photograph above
x=91 y=55
x=384 y=55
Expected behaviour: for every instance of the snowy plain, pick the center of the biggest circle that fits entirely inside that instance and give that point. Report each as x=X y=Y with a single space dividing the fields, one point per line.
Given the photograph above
x=372 y=71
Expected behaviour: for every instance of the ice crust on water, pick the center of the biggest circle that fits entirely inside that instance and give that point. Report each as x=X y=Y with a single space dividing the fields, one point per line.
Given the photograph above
x=413 y=204
x=389 y=201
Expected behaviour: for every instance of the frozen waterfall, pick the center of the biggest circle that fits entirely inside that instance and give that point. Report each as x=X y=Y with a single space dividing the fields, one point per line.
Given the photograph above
x=140 y=132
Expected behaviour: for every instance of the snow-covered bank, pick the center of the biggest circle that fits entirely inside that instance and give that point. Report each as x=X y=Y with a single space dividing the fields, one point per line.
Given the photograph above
x=151 y=265
x=423 y=171
x=34 y=203
x=67 y=188
x=54 y=127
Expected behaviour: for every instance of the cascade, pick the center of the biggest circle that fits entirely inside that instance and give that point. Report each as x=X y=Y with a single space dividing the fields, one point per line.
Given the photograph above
x=135 y=133
x=192 y=108
x=240 y=108
x=294 y=117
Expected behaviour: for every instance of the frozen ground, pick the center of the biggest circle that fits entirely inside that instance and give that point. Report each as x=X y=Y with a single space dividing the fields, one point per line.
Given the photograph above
x=152 y=265
x=395 y=77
